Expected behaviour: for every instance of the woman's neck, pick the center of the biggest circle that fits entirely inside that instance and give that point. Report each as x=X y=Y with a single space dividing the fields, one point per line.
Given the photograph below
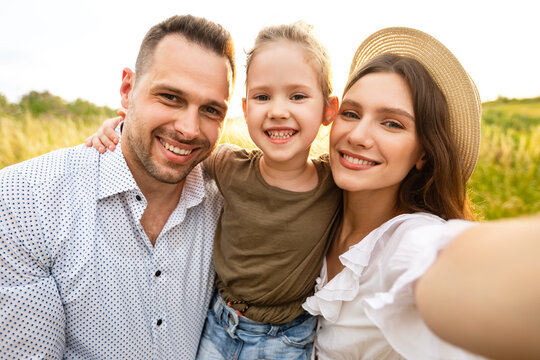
x=296 y=175
x=365 y=211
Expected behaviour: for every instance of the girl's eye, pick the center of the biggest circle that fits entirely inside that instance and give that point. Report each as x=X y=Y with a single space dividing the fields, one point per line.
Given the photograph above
x=262 y=97
x=297 y=97
x=393 y=124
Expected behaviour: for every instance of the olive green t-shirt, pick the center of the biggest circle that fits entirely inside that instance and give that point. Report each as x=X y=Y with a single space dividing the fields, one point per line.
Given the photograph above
x=269 y=243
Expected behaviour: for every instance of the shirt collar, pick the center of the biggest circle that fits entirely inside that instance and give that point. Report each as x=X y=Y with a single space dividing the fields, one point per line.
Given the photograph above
x=115 y=177
x=114 y=174
x=194 y=187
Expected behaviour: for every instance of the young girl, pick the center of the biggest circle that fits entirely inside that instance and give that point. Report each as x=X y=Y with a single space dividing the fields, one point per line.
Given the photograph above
x=279 y=204
x=402 y=147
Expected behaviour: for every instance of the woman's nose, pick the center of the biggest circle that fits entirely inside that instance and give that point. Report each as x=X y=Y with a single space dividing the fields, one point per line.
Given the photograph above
x=362 y=134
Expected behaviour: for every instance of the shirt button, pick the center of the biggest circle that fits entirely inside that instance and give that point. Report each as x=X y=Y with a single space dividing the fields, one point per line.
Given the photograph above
x=157 y=273
x=159 y=322
x=138 y=197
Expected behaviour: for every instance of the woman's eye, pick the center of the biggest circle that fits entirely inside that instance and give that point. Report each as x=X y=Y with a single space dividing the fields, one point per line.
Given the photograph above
x=393 y=124
x=350 y=114
x=297 y=97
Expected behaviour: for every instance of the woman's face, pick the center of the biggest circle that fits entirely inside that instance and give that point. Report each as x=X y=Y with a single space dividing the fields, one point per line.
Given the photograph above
x=373 y=142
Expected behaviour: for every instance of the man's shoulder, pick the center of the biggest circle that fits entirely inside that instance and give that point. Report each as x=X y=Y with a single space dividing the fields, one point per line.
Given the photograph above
x=50 y=167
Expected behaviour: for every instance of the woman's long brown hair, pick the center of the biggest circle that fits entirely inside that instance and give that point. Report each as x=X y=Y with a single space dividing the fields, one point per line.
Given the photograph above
x=439 y=187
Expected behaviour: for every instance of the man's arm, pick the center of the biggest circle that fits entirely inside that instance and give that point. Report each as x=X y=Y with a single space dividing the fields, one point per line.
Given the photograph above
x=483 y=292
x=32 y=322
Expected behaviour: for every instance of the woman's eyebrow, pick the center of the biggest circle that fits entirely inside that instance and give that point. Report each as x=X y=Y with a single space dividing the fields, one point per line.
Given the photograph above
x=395 y=111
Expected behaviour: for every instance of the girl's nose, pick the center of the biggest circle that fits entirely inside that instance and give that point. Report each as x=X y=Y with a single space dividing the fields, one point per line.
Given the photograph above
x=278 y=110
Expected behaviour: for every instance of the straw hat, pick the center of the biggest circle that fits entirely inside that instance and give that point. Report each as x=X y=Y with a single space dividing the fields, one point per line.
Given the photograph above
x=460 y=91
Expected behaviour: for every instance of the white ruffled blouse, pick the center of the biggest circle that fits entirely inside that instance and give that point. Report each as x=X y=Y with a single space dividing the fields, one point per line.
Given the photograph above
x=367 y=311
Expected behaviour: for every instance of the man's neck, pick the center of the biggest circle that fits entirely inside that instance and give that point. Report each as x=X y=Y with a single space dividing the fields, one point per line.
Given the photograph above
x=161 y=198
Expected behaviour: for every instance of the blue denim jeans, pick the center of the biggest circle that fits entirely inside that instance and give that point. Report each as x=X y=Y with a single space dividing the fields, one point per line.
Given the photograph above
x=228 y=335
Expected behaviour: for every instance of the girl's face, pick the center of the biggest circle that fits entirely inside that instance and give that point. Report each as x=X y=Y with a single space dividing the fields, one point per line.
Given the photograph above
x=373 y=141
x=284 y=105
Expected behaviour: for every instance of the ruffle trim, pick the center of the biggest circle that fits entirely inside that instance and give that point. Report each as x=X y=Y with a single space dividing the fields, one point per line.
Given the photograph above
x=328 y=298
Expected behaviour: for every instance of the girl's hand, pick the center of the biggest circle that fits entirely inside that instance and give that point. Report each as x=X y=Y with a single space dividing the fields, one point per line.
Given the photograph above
x=105 y=138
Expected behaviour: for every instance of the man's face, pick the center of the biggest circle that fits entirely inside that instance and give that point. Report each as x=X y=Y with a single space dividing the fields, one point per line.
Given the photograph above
x=175 y=110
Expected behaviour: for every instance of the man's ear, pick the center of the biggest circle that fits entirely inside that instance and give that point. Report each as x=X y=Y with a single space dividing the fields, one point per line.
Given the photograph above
x=421 y=161
x=330 y=110
x=244 y=107
x=128 y=81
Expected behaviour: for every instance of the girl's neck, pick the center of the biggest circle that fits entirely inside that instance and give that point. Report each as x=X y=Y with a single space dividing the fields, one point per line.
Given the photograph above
x=296 y=175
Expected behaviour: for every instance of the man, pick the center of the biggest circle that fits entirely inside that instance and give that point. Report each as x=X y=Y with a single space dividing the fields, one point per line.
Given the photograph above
x=109 y=255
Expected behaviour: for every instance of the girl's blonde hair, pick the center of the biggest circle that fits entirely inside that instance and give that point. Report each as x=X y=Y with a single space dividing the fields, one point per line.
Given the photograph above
x=302 y=34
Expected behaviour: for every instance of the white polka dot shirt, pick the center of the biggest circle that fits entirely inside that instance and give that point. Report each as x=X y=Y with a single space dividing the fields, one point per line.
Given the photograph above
x=79 y=279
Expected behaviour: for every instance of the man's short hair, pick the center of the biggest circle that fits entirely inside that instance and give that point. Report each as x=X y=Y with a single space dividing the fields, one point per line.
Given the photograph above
x=198 y=30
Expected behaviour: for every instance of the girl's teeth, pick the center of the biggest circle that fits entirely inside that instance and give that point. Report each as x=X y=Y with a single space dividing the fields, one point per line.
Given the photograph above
x=357 y=161
x=174 y=149
x=280 y=134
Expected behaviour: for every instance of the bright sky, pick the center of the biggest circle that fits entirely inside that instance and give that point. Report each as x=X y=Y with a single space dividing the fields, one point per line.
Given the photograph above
x=79 y=48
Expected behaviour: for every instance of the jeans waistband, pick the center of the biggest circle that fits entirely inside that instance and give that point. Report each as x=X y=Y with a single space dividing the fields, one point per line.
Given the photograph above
x=227 y=316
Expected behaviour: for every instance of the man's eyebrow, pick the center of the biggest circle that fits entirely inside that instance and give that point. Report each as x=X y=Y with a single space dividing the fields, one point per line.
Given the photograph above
x=168 y=88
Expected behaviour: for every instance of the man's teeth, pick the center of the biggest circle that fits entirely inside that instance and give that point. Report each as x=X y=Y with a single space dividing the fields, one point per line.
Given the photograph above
x=357 y=161
x=174 y=149
x=281 y=134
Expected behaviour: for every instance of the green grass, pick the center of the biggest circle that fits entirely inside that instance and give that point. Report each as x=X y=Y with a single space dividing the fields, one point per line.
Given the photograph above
x=506 y=181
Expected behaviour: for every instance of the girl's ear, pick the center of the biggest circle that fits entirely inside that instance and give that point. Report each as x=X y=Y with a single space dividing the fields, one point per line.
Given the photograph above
x=244 y=107
x=330 y=110
x=421 y=161
x=128 y=80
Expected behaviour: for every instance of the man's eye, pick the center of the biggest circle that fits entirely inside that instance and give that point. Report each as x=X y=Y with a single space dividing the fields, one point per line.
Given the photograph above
x=211 y=110
x=168 y=97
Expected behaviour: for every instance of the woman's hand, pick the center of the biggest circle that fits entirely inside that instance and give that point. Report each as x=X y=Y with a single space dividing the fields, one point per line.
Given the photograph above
x=105 y=138
x=482 y=293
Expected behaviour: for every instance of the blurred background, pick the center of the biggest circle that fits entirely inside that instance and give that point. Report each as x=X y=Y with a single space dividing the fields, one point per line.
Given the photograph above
x=61 y=64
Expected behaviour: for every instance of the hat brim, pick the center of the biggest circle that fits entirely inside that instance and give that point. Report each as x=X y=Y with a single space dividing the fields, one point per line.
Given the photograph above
x=464 y=104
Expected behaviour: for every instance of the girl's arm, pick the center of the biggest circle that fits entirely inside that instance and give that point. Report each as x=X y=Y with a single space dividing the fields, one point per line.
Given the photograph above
x=483 y=292
x=105 y=137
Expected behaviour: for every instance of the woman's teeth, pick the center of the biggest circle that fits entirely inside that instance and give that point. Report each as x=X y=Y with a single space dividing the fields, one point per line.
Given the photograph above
x=357 y=161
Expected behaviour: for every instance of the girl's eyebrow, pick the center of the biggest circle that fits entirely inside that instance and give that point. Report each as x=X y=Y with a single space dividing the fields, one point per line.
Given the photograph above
x=265 y=87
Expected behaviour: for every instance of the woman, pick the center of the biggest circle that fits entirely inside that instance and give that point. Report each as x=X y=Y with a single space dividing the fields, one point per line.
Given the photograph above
x=402 y=148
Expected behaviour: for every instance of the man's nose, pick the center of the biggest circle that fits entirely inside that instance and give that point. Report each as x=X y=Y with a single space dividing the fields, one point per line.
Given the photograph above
x=188 y=123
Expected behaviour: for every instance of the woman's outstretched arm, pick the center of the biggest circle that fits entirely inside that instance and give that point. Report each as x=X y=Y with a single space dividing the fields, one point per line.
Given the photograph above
x=483 y=292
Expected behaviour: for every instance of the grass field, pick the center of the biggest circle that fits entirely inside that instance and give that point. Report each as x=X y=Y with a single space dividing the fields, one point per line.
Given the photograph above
x=506 y=181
